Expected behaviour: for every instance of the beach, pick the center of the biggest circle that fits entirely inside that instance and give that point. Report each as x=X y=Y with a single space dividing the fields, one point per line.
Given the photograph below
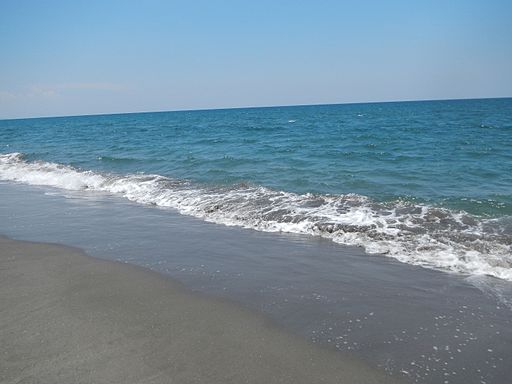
x=69 y=318
x=256 y=192
x=409 y=322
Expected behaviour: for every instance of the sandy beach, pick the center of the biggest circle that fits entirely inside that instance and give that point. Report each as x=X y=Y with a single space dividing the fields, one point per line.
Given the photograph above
x=66 y=317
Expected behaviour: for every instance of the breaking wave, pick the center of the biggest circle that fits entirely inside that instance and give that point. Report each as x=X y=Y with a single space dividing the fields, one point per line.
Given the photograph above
x=418 y=234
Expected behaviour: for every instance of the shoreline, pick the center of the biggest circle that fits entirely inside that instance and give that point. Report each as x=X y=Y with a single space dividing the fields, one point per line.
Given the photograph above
x=69 y=317
x=410 y=322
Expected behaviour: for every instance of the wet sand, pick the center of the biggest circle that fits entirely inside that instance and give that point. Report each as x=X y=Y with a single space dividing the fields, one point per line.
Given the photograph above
x=66 y=317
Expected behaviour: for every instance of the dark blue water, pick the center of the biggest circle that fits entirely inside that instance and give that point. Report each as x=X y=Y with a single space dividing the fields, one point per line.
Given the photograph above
x=428 y=183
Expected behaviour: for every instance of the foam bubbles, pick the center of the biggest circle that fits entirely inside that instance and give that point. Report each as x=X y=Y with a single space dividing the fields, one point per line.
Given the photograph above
x=423 y=235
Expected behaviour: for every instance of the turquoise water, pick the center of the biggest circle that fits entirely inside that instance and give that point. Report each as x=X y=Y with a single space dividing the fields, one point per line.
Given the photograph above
x=429 y=183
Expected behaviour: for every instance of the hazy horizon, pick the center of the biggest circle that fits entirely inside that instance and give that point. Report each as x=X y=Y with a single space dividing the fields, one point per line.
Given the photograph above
x=68 y=59
x=255 y=107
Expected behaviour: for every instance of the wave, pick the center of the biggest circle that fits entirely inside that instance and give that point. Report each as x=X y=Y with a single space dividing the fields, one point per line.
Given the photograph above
x=418 y=234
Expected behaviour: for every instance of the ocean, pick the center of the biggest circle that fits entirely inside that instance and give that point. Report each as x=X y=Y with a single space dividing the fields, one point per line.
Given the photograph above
x=428 y=183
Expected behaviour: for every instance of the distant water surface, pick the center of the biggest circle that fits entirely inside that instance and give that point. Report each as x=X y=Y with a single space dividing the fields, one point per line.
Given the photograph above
x=428 y=183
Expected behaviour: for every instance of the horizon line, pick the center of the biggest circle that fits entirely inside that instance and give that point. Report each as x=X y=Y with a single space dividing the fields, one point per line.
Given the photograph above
x=255 y=107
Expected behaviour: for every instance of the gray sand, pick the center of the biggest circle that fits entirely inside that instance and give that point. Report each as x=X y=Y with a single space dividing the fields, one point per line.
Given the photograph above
x=68 y=318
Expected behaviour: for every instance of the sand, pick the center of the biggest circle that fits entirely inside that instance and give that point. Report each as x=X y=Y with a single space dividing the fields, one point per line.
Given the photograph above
x=66 y=317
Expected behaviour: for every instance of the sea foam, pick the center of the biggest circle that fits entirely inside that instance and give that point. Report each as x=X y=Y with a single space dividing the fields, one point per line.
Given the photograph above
x=424 y=235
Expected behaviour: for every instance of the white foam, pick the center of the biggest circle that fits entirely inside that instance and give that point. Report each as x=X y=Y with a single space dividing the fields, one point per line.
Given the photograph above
x=417 y=234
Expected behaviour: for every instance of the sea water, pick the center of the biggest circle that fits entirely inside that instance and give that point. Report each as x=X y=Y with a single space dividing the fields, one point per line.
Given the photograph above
x=428 y=183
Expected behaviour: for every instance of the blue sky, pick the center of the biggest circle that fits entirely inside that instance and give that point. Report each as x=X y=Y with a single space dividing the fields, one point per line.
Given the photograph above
x=86 y=57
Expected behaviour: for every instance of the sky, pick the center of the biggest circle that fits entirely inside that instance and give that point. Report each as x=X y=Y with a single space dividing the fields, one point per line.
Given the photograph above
x=91 y=57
